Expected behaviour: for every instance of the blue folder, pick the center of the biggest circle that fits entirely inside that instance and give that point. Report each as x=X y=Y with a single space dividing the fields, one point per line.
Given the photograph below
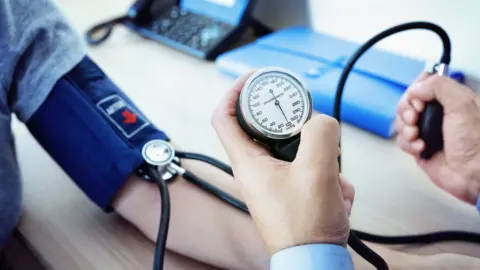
x=372 y=91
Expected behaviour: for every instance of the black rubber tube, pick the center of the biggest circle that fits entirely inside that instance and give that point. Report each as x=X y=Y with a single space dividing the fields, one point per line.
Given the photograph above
x=213 y=190
x=214 y=162
x=371 y=256
x=161 y=242
x=447 y=49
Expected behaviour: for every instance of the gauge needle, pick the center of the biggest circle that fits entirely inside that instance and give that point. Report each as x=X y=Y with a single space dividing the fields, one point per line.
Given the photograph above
x=278 y=104
x=272 y=99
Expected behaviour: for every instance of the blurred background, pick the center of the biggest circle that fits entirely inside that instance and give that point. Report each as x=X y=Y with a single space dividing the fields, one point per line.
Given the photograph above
x=359 y=20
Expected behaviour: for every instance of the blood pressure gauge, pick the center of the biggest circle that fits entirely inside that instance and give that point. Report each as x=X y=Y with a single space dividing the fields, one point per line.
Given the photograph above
x=273 y=107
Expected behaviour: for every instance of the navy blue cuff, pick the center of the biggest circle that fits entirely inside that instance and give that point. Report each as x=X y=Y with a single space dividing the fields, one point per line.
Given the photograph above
x=93 y=131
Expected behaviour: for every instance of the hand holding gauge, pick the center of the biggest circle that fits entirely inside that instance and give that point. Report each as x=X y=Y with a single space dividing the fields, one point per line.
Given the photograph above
x=272 y=188
x=273 y=107
x=268 y=124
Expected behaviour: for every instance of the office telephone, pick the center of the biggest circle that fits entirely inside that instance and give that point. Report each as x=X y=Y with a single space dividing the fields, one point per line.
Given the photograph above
x=203 y=28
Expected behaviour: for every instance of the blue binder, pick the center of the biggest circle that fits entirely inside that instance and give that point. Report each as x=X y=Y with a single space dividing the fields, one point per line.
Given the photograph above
x=372 y=91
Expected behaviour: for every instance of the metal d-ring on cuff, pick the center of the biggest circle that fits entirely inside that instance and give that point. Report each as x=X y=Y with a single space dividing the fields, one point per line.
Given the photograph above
x=437 y=68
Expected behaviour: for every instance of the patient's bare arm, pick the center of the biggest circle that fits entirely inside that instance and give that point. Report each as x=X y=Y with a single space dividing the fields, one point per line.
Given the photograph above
x=210 y=231
x=201 y=226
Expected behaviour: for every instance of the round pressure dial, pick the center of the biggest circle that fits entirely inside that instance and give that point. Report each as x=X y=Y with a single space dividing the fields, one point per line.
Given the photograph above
x=274 y=103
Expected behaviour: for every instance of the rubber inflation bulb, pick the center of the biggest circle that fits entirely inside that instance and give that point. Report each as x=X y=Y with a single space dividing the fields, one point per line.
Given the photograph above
x=430 y=124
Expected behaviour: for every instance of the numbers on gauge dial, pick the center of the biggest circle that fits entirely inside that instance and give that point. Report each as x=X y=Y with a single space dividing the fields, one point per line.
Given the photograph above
x=276 y=104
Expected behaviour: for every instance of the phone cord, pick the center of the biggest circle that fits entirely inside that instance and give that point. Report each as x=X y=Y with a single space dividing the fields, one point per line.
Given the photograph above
x=100 y=32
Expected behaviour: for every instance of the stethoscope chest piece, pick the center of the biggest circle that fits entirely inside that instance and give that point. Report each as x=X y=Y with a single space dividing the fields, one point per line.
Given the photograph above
x=158 y=153
x=161 y=155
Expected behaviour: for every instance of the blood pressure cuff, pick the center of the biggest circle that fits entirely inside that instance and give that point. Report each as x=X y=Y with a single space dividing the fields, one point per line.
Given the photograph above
x=93 y=131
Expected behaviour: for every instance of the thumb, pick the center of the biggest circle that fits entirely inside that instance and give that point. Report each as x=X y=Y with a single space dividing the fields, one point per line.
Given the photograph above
x=448 y=92
x=318 y=150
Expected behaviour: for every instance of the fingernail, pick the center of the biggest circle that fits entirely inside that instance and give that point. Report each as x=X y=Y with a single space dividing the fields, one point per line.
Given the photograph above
x=417 y=105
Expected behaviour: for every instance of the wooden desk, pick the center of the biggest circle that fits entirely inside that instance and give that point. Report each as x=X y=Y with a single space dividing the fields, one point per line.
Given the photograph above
x=176 y=91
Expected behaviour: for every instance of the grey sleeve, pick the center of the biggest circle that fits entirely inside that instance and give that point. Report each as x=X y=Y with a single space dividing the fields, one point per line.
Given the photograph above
x=38 y=46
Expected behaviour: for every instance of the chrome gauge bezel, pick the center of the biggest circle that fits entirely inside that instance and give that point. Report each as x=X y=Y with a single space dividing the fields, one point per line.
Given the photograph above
x=247 y=115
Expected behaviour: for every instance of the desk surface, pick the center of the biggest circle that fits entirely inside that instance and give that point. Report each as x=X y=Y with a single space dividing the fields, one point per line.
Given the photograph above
x=176 y=91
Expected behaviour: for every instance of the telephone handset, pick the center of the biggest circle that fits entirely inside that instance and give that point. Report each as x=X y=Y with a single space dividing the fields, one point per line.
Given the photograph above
x=144 y=11
x=203 y=28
